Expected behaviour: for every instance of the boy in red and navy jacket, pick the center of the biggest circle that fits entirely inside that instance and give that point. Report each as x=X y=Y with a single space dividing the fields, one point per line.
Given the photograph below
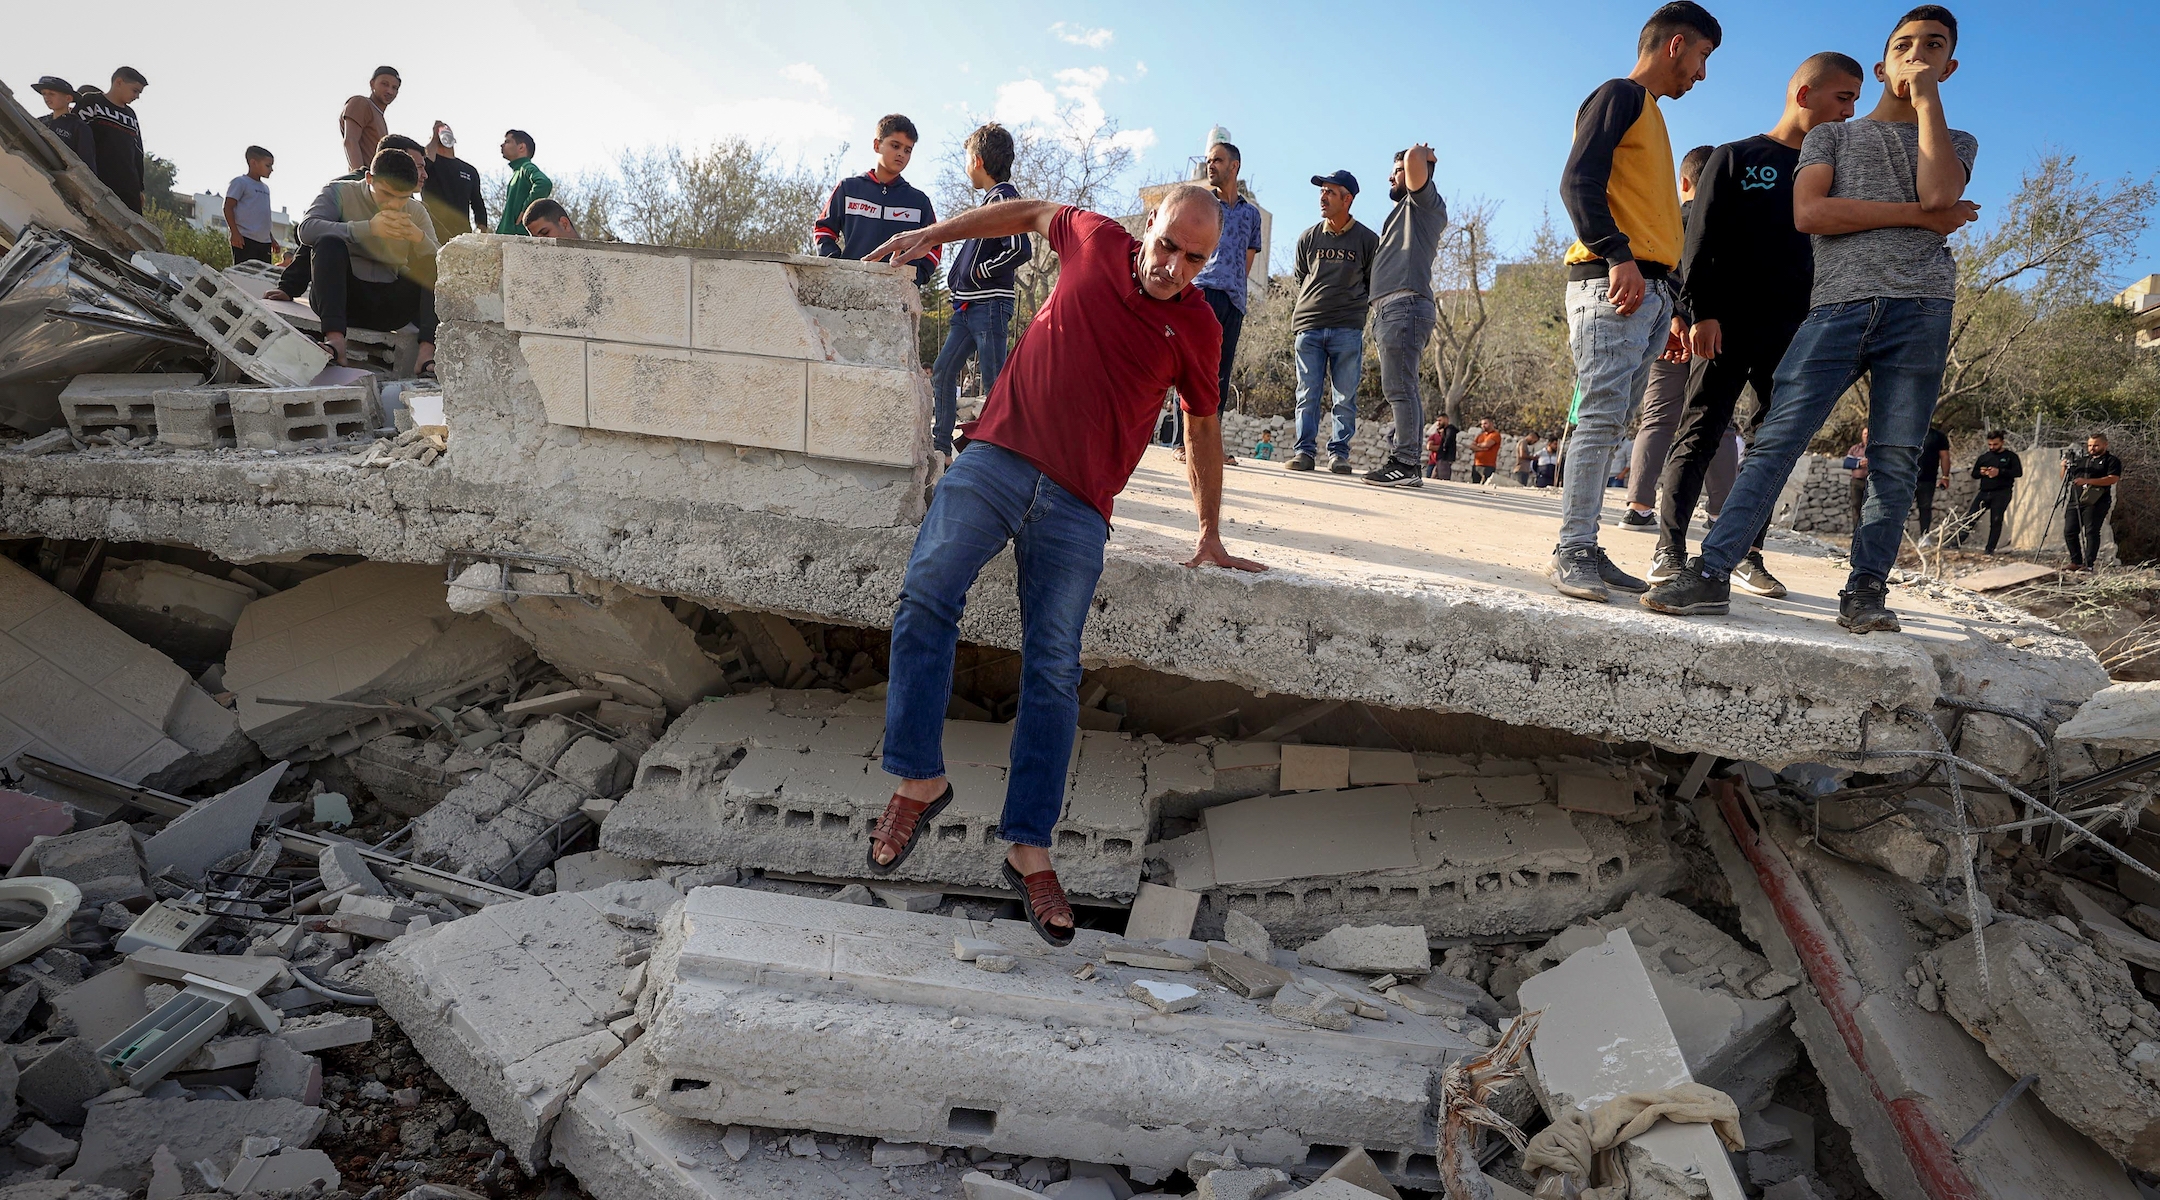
x=864 y=210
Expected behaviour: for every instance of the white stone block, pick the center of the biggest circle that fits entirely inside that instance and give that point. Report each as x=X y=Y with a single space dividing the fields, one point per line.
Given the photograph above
x=749 y=308
x=606 y=294
x=733 y=398
x=867 y=414
x=557 y=366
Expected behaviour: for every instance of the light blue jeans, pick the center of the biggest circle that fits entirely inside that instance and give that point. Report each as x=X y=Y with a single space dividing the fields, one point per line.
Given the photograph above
x=989 y=498
x=1901 y=346
x=1324 y=357
x=1613 y=356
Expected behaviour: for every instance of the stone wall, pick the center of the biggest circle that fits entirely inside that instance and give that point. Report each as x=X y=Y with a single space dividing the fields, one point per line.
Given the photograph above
x=761 y=381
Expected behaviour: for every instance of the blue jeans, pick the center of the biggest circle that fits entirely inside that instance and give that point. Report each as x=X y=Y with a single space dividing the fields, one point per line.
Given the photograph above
x=1900 y=345
x=1613 y=356
x=990 y=497
x=1325 y=356
x=1402 y=327
x=980 y=327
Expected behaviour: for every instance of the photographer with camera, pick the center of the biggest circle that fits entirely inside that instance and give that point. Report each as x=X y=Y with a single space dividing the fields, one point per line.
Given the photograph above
x=2091 y=477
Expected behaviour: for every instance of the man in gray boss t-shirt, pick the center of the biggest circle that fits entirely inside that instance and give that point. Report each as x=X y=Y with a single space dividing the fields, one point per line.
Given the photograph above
x=1403 y=313
x=1880 y=195
x=1333 y=278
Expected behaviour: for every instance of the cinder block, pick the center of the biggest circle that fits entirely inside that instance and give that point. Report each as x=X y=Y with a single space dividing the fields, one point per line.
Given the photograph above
x=123 y=404
x=194 y=418
x=868 y=414
x=608 y=295
x=700 y=395
x=246 y=331
x=557 y=367
x=745 y=307
x=284 y=418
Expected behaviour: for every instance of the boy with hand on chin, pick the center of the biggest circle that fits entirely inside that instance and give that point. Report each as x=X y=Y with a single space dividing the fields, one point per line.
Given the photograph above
x=1881 y=195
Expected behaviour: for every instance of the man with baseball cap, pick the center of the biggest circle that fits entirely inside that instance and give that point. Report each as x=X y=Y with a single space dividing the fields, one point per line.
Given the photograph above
x=363 y=121
x=59 y=96
x=1333 y=281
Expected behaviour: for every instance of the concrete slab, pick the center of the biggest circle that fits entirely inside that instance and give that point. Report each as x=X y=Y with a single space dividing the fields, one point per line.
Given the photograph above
x=807 y=788
x=119 y=1137
x=78 y=691
x=2120 y=716
x=628 y=635
x=511 y=1006
x=818 y=1000
x=1604 y=1035
x=1434 y=854
x=371 y=631
x=214 y=829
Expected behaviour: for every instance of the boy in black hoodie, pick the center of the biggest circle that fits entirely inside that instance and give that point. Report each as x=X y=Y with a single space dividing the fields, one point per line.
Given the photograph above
x=980 y=281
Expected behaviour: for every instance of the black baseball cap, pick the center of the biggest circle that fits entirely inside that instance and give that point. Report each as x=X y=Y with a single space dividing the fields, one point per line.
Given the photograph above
x=53 y=83
x=1342 y=179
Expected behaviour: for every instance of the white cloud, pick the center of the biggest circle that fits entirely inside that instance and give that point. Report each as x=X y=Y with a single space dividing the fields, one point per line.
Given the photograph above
x=1140 y=140
x=1024 y=102
x=1080 y=35
x=1139 y=68
x=1073 y=106
x=805 y=74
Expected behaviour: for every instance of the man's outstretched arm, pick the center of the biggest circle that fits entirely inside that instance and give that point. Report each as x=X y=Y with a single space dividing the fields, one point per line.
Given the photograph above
x=1003 y=219
x=1203 y=470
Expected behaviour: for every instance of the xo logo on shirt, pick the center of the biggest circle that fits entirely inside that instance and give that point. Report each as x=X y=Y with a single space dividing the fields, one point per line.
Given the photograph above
x=1759 y=177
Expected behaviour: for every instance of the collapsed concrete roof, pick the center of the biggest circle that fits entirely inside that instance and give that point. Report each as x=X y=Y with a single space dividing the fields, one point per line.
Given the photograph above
x=43 y=183
x=750 y=431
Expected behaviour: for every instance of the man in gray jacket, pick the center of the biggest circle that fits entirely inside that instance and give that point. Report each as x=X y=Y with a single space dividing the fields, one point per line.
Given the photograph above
x=374 y=246
x=1333 y=278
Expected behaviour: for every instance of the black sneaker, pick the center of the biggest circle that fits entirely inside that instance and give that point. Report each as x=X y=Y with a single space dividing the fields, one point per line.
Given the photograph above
x=1865 y=608
x=1691 y=594
x=1395 y=473
x=1640 y=522
x=1299 y=462
x=1576 y=572
x=1753 y=576
x=1614 y=577
x=1665 y=564
x=1338 y=466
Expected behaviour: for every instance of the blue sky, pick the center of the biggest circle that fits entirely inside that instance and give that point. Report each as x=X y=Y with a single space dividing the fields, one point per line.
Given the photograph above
x=1303 y=88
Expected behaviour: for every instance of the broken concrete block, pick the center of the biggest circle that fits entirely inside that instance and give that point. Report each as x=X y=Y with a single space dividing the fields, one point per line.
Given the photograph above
x=1249 y=936
x=593 y=766
x=1245 y=1184
x=1162 y=912
x=977 y=1186
x=58 y=1081
x=1315 y=768
x=1163 y=996
x=1110 y=1177
x=511 y=1005
x=908 y=899
x=184 y=613
x=1357 y=1169
x=2120 y=716
x=968 y=949
x=1609 y=794
x=1336 y=1189
x=283 y=1073
x=1599 y=997
x=41 y=1145
x=1081 y=1189
x=193 y=418
x=1426 y=1004
x=342 y=869
x=78 y=691
x=1315 y=1005
x=116 y=404
x=103 y=862
x=1370 y=768
x=306 y=1171
x=212 y=830
x=1157 y=958
x=1896 y=844
x=853 y=893
x=295 y=418
x=904 y=959
x=368 y=632
x=590 y=869
x=628 y=635
x=247 y=332
x=1373 y=949
x=996 y=964
x=2049 y=1014
x=119 y=1138
x=1247 y=977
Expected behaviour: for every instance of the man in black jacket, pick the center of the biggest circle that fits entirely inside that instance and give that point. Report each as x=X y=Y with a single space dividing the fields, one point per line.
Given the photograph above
x=1998 y=470
x=117 y=133
x=981 y=285
x=2093 y=476
x=63 y=120
x=451 y=188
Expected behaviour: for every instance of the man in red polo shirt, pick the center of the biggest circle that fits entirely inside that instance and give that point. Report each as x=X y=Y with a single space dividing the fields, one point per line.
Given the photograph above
x=1061 y=433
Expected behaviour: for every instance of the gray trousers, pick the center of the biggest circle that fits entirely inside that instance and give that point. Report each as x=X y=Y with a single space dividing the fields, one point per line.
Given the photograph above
x=1402 y=327
x=1664 y=399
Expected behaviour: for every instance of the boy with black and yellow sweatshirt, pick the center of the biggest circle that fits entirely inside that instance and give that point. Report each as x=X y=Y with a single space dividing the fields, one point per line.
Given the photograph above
x=1619 y=192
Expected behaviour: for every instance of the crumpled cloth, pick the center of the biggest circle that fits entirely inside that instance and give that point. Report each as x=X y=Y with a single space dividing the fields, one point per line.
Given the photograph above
x=1579 y=1144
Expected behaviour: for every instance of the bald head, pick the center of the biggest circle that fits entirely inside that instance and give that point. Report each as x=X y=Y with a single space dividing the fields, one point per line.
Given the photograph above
x=1179 y=240
x=1825 y=89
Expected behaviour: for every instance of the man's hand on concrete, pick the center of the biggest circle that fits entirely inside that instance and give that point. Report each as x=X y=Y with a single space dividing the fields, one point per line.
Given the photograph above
x=904 y=247
x=1210 y=553
x=1624 y=287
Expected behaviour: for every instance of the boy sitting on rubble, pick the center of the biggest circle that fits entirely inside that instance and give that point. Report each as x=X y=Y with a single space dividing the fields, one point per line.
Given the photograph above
x=374 y=255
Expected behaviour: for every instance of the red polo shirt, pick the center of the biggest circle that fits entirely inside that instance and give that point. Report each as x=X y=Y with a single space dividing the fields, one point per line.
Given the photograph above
x=1080 y=396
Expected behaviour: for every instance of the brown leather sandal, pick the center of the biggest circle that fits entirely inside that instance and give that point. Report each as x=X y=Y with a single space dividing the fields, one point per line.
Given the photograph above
x=897 y=828
x=1043 y=898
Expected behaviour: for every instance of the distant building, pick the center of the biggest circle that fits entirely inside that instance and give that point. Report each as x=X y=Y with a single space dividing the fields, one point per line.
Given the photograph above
x=210 y=214
x=2143 y=299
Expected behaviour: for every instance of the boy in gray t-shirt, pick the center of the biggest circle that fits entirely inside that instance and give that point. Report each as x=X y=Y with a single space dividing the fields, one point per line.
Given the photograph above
x=1880 y=195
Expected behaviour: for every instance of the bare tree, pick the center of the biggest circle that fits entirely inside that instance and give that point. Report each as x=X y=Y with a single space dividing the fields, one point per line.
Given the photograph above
x=734 y=194
x=1462 y=273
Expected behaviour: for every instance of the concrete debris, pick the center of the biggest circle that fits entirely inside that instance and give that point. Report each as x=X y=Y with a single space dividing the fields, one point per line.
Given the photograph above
x=213 y=830
x=104 y=862
x=1599 y=996
x=2120 y=716
x=1356 y=1169
x=1373 y=949
x=1245 y=1184
x=2051 y=1006
x=1162 y=912
x=1249 y=936
x=627 y=636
